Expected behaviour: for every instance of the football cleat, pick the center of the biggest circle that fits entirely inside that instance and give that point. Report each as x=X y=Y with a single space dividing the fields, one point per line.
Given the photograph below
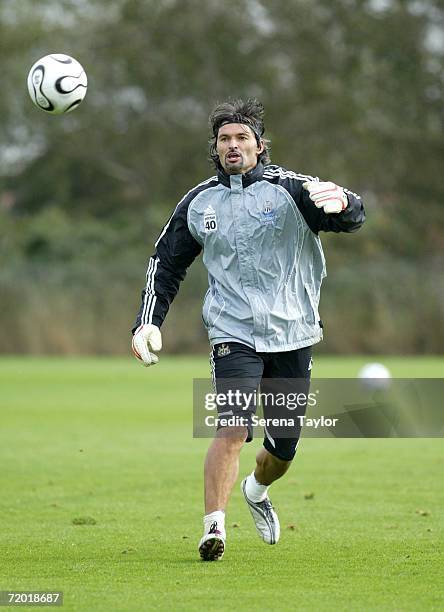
x=212 y=544
x=264 y=517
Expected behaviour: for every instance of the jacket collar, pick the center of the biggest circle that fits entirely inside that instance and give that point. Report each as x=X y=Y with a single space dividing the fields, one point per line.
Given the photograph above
x=255 y=174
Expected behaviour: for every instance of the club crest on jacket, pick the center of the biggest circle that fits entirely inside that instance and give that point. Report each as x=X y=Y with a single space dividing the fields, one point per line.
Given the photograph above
x=268 y=214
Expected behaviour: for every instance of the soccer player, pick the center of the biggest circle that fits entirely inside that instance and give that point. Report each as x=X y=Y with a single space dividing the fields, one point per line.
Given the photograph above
x=258 y=227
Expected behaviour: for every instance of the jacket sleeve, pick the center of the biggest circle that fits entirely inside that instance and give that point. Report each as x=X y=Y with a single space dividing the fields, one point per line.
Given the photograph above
x=349 y=220
x=175 y=251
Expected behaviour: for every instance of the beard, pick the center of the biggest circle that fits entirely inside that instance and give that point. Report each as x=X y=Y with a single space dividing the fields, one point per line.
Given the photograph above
x=234 y=167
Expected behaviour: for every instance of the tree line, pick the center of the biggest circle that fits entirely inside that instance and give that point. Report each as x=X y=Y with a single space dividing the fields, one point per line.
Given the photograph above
x=353 y=92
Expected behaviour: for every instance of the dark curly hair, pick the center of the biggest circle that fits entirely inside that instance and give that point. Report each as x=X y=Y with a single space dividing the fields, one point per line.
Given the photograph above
x=249 y=112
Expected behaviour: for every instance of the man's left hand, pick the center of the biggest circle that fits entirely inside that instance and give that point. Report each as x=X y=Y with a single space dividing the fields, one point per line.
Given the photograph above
x=147 y=338
x=327 y=195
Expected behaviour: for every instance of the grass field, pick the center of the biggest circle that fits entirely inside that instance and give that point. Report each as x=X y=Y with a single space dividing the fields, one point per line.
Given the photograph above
x=106 y=441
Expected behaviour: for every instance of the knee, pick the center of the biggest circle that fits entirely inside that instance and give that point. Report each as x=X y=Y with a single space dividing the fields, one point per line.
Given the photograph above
x=283 y=450
x=232 y=436
x=265 y=458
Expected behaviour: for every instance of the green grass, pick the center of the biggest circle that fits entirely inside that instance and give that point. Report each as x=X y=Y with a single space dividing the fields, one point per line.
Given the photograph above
x=107 y=439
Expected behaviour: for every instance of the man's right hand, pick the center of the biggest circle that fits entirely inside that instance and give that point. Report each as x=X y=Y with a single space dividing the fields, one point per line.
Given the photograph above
x=327 y=195
x=147 y=338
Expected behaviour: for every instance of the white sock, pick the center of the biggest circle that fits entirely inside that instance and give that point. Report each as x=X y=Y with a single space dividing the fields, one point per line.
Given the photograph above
x=218 y=516
x=255 y=491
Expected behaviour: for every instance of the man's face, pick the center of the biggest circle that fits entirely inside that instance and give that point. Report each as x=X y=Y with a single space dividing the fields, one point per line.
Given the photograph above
x=237 y=148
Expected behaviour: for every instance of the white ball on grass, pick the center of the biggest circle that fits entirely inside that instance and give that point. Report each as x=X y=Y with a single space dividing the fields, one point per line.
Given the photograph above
x=375 y=376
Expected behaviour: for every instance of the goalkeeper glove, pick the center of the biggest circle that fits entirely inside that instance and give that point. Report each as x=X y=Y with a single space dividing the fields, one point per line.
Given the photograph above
x=327 y=195
x=147 y=338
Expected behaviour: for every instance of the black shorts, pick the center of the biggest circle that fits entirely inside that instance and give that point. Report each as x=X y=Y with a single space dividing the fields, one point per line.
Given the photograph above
x=239 y=369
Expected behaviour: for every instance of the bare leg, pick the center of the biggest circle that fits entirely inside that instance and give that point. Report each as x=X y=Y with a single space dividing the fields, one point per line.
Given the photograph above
x=222 y=466
x=269 y=468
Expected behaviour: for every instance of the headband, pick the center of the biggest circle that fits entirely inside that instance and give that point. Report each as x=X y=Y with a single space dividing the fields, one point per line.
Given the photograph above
x=244 y=121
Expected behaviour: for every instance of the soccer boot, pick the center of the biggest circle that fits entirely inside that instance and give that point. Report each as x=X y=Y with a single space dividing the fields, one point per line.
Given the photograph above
x=264 y=517
x=212 y=544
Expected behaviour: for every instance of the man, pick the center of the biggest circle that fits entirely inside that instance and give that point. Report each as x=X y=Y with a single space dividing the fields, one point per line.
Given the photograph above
x=257 y=225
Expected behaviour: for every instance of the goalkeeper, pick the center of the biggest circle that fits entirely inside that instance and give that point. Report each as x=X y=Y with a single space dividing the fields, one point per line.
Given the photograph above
x=258 y=227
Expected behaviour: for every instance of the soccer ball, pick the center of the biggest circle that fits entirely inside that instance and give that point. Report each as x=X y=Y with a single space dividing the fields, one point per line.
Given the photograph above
x=375 y=376
x=57 y=83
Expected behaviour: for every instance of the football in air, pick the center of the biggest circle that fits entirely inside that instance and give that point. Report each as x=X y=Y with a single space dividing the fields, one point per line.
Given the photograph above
x=57 y=83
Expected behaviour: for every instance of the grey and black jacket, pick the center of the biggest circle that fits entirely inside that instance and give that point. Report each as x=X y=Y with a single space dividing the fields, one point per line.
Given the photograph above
x=259 y=237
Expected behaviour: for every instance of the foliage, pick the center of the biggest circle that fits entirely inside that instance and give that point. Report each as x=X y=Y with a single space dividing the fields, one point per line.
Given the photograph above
x=353 y=91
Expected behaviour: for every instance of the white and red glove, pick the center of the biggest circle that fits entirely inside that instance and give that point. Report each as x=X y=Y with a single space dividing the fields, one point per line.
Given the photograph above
x=147 y=338
x=327 y=195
